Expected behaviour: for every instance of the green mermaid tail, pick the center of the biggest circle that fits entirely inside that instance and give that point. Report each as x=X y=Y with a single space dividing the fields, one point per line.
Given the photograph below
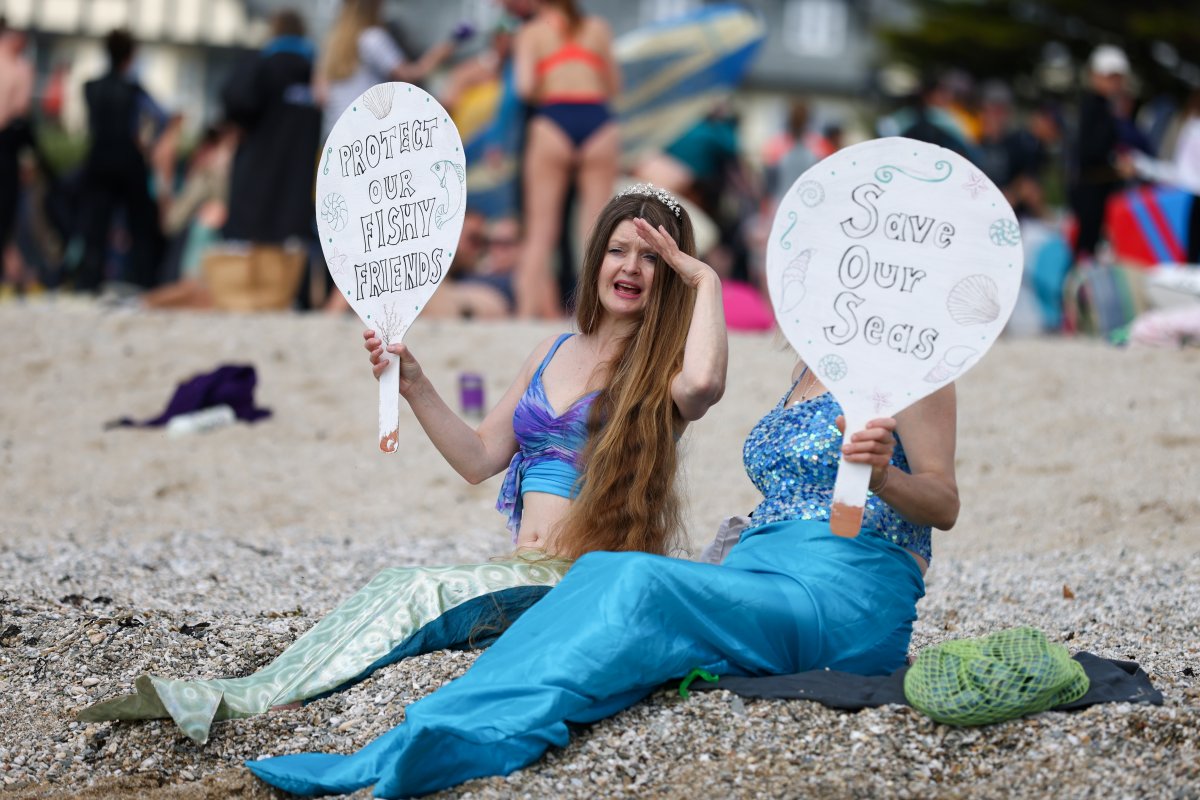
x=403 y=611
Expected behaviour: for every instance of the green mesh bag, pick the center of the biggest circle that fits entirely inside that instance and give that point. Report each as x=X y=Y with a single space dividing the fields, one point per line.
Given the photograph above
x=1006 y=675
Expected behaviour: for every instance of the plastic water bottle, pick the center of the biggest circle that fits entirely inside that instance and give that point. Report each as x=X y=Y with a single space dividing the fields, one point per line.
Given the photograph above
x=202 y=421
x=470 y=394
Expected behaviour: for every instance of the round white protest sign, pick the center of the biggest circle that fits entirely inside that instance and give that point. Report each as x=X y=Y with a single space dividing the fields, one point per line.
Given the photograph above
x=892 y=265
x=391 y=197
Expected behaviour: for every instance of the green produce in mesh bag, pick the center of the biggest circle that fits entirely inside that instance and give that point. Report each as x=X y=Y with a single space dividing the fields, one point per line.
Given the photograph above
x=1006 y=675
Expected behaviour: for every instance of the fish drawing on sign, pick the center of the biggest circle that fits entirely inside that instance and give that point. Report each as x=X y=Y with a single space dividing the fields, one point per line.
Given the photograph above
x=791 y=281
x=454 y=190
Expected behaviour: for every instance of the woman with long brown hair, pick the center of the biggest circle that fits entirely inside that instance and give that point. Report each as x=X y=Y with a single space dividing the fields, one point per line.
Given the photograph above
x=565 y=68
x=588 y=434
x=649 y=357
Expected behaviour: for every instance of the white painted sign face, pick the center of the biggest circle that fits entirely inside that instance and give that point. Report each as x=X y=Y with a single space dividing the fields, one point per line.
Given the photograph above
x=892 y=265
x=391 y=197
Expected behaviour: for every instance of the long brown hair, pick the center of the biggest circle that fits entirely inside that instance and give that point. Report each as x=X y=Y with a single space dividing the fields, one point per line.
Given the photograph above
x=628 y=499
x=568 y=9
x=340 y=56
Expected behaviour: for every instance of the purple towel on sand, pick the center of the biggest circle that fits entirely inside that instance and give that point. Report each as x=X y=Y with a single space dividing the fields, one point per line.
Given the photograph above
x=231 y=385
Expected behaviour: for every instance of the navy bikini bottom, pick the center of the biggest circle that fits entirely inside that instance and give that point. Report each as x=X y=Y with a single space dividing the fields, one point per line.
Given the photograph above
x=577 y=120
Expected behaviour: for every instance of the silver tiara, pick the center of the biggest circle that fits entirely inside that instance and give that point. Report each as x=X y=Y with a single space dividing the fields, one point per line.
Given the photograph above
x=650 y=190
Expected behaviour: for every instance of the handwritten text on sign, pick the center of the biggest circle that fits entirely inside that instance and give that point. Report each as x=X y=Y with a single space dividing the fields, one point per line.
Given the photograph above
x=856 y=268
x=892 y=266
x=392 y=177
x=394 y=221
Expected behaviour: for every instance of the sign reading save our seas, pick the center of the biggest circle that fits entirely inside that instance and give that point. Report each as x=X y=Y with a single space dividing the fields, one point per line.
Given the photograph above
x=892 y=265
x=391 y=198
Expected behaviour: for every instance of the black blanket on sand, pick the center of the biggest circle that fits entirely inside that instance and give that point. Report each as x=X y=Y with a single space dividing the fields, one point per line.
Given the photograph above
x=1110 y=681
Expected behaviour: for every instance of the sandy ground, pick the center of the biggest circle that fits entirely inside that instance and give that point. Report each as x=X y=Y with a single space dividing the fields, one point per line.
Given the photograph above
x=1078 y=465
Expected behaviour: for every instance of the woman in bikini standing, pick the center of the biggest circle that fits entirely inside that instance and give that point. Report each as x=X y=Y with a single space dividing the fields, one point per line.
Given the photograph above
x=565 y=69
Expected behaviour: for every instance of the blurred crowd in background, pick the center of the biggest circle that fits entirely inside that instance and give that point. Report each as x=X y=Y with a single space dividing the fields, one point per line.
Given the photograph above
x=152 y=217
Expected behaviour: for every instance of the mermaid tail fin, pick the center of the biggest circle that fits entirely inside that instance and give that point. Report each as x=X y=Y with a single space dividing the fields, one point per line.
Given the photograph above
x=313 y=774
x=402 y=612
x=192 y=705
x=407 y=761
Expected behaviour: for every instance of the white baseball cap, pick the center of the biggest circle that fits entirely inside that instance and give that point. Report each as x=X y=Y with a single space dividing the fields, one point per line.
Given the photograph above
x=1108 y=59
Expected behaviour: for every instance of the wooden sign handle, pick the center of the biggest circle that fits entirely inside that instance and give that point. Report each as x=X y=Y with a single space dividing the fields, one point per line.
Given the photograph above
x=849 y=495
x=389 y=406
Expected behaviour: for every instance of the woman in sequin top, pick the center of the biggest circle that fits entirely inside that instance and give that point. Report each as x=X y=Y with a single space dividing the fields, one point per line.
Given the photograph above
x=790 y=596
x=791 y=455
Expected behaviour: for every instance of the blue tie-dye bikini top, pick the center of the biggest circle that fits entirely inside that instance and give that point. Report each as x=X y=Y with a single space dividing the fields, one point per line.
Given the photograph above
x=549 y=446
x=791 y=455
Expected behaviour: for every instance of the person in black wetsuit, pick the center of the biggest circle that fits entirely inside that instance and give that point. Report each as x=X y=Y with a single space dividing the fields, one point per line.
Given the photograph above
x=269 y=98
x=115 y=173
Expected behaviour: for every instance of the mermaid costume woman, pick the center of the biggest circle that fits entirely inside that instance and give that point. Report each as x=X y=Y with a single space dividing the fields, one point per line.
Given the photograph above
x=403 y=611
x=790 y=596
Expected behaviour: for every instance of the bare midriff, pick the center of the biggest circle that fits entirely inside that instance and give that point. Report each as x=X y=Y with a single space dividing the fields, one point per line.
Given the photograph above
x=575 y=78
x=541 y=516
x=575 y=82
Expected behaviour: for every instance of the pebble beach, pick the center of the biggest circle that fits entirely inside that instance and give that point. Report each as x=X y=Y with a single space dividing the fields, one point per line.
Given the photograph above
x=127 y=551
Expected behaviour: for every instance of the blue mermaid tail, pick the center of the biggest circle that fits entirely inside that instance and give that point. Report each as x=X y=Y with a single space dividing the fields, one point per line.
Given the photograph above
x=790 y=597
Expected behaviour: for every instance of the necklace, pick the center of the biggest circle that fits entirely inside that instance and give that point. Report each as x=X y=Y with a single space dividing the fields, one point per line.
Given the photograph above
x=806 y=394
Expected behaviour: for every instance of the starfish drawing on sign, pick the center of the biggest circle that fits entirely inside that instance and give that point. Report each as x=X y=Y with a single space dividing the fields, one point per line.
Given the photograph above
x=336 y=262
x=881 y=400
x=975 y=185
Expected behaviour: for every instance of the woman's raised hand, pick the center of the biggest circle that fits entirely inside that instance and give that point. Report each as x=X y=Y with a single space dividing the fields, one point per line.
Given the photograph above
x=691 y=269
x=874 y=445
x=410 y=370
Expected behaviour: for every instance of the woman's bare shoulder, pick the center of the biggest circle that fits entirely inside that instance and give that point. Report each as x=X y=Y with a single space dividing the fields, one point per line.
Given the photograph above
x=596 y=31
x=536 y=34
x=542 y=348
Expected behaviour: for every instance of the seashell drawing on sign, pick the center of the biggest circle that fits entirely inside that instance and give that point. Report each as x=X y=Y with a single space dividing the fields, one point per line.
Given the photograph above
x=335 y=211
x=956 y=360
x=1005 y=232
x=378 y=99
x=791 y=281
x=832 y=367
x=974 y=301
x=810 y=193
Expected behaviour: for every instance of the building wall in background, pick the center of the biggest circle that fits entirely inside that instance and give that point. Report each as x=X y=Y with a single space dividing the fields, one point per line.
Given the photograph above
x=186 y=48
x=816 y=48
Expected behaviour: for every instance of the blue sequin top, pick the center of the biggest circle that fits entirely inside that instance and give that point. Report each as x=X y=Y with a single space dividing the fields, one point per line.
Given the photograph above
x=791 y=455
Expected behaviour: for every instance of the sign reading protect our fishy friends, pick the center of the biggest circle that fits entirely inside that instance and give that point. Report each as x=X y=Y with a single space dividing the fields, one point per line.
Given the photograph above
x=391 y=197
x=892 y=265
